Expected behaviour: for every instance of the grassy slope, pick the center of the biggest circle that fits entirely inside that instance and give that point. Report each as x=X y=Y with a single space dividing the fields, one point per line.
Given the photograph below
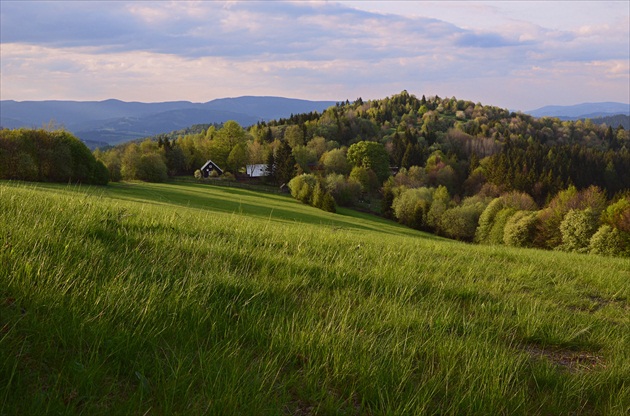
x=193 y=299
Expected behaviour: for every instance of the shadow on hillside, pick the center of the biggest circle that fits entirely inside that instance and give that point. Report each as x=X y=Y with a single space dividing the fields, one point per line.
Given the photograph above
x=256 y=204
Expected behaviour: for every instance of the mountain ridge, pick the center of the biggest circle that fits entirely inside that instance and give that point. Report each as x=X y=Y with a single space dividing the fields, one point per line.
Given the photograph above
x=582 y=110
x=115 y=121
x=101 y=121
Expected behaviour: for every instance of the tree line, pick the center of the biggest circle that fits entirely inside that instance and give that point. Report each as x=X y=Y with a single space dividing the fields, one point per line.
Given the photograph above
x=48 y=156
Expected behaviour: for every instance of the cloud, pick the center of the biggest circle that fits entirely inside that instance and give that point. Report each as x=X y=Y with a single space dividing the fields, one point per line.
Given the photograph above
x=201 y=50
x=240 y=29
x=65 y=24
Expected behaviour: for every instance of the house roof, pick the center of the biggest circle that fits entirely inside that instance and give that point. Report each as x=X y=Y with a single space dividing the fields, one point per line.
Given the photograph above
x=210 y=162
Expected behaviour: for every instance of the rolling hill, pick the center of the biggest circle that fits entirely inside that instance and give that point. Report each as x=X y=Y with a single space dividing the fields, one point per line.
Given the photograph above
x=581 y=111
x=114 y=121
x=185 y=298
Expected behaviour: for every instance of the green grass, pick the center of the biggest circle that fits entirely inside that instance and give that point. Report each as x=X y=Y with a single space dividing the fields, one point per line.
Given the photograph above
x=193 y=299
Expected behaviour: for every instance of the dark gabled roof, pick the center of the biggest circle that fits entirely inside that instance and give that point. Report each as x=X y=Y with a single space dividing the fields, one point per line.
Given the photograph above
x=210 y=162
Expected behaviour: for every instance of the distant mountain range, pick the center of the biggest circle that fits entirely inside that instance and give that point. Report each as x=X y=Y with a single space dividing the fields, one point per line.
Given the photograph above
x=100 y=123
x=581 y=111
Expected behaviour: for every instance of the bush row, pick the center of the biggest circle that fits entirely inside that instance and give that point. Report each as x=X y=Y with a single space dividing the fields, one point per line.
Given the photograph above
x=581 y=221
x=309 y=189
x=48 y=156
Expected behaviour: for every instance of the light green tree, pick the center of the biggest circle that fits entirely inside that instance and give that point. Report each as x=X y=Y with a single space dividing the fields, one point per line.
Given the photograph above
x=335 y=161
x=224 y=141
x=410 y=207
x=151 y=168
x=294 y=136
x=441 y=202
x=130 y=161
x=577 y=228
x=371 y=155
x=237 y=159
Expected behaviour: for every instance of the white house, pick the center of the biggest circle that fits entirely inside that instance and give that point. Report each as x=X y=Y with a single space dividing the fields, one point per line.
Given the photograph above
x=256 y=171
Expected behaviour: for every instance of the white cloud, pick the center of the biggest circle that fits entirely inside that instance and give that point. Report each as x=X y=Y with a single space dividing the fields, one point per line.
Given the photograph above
x=320 y=50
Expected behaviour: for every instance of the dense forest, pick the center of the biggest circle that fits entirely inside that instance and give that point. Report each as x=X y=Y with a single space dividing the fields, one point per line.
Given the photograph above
x=453 y=167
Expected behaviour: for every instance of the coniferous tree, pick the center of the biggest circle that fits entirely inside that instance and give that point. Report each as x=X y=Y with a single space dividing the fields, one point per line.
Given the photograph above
x=284 y=163
x=270 y=168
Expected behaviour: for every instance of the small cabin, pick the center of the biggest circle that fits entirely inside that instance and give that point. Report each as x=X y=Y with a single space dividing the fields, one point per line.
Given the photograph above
x=209 y=167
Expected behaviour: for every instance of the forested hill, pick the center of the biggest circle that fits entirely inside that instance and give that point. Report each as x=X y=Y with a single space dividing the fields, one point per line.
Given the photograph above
x=618 y=120
x=517 y=151
x=459 y=144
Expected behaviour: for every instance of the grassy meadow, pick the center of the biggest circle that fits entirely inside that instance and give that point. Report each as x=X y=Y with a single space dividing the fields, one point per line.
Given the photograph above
x=187 y=298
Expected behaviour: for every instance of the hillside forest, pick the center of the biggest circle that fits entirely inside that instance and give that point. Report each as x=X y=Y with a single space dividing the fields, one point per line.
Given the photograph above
x=459 y=169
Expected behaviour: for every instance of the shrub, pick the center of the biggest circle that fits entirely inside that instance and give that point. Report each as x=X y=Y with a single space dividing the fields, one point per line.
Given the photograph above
x=548 y=234
x=577 y=228
x=486 y=220
x=301 y=187
x=308 y=189
x=26 y=168
x=317 y=198
x=305 y=194
x=520 y=229
x=99 y=174
x=617 y=215
x=328 y=203
x=387 y=199
x=151 y=168
x=227 y=176
x=496 y=234
x=345 y=191
x=516 y=201
x=440 y=203
x=411 y=206
x=609 y=241
x=366 y=178
x=461 y=222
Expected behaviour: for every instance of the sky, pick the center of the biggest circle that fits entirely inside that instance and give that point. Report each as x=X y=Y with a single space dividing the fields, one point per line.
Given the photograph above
x=520 y=55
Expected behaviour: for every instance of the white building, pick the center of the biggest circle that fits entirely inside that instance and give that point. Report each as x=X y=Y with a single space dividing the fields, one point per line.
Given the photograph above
x=256 y=171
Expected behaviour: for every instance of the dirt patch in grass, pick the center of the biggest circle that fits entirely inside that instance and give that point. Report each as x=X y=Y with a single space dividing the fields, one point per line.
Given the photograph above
x=304 y=407
x=300 y=408
x=593 y=303
x=573 y=361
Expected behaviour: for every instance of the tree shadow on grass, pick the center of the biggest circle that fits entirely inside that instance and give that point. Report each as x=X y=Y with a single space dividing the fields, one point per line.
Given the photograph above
x=256 y=204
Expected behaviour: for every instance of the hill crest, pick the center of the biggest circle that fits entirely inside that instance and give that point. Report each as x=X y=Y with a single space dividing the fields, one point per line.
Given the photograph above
x=114 y=121
x=583 y=110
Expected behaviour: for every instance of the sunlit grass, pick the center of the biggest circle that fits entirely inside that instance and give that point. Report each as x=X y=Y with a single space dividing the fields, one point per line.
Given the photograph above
x=193 y=299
